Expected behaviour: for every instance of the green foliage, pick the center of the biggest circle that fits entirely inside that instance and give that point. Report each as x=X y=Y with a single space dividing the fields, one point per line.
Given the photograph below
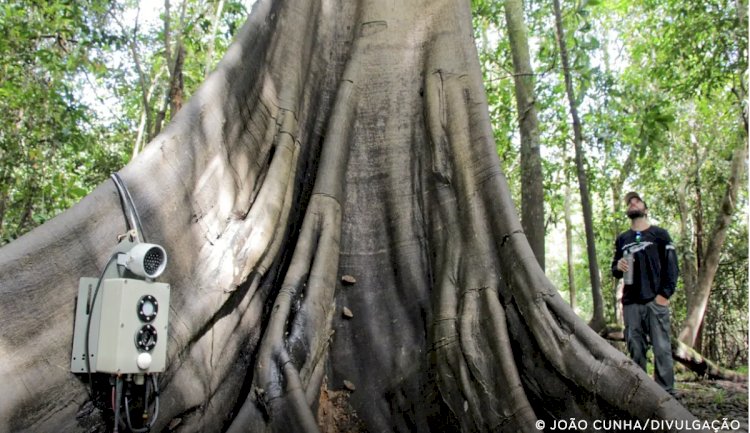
x=657 y=83
x=50 y=151
x=497 y=69
x=691 y=47
x=71 y=95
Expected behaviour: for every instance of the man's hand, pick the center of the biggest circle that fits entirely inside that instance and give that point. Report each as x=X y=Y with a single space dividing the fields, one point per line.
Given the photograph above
x=661 y=300
x=622 y=264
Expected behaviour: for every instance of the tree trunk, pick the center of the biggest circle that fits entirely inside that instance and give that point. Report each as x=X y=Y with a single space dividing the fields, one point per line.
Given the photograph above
x=142 y=81
x=143 y=125
x=532 y=181
x=212 y=38
x=697 y=308
x=694 y=262
x=569 y=247
x=616 y=187
x=740 y=90
x=597 y=321
x=698 y=211
x=175 y=85
x=177 y=82
x=688 y=263
x=334 y=139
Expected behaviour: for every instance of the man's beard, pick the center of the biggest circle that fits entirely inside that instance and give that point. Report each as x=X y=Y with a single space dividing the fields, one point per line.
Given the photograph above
x=635 y=213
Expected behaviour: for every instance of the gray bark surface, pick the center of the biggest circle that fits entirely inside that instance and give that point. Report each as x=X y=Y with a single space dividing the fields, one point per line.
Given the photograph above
x=532 y=180
x=344 y=251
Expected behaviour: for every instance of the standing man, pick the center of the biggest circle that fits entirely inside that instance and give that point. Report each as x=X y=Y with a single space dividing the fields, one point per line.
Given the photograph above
x=646 y=300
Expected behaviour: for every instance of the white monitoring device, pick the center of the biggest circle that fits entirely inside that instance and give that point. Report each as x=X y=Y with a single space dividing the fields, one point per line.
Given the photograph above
x=121 y=323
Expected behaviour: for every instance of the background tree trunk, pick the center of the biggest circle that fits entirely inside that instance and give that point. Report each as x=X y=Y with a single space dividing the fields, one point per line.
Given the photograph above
x=569 y=246
x=688 y=262
x=334 y=139
x=597 y=321
x=173 y=94
x=697 y=308
x=617 y=209
x=212 y=38
x=532 y=180
x=146 y=88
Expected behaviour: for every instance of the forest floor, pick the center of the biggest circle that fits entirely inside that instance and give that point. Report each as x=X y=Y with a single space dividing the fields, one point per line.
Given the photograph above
x=711 y=400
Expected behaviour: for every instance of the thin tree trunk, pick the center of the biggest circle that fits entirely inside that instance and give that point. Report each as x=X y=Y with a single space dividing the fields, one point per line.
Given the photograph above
x=3 y=201
x=740 y=89
x=28 y=207
x=145 y=94
x=696 y=312
x=569 y=245
x=212 y=38
x=597 y=321
x=143 y=126
x=693 y=293
x=168 y=33
x=616 y=187
x=147 y=114
x=175 y=61
x=698 y=211
x=688 y=262
x=177 y=87
x=532 y=181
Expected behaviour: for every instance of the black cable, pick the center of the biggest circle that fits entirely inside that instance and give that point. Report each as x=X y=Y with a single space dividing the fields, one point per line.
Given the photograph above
x=135 y=211
x=132 y=217
x=90 y=311
x=129 y=217
x=118 y=396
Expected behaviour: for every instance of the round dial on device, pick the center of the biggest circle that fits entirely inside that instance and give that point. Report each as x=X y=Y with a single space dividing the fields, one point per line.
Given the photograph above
x=148 y=306
x=145 y=338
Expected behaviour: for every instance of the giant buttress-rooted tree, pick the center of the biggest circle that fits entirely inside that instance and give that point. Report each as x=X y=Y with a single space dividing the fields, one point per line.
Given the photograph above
x=335 y=138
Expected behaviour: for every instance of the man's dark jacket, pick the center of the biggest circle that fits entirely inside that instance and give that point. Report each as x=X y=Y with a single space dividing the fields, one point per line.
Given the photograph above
x=654 y=261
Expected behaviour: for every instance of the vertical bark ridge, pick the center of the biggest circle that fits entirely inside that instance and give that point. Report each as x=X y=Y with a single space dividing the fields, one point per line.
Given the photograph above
x=487 y=346
x=299 y=326
x=273 y=207
x=473 y=374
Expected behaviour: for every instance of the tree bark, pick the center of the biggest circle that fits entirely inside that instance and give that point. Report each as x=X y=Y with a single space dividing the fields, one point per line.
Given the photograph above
x=212 y=38
x=697 y=308
x=147 y=116
x=532 y=180
x=616 y=186
x=693 y=263
x=334 y=139
x=597 y=321
x=173 y=95
x=569 y=244
x=698 y=211
x=688 y=262
x=177 y=81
